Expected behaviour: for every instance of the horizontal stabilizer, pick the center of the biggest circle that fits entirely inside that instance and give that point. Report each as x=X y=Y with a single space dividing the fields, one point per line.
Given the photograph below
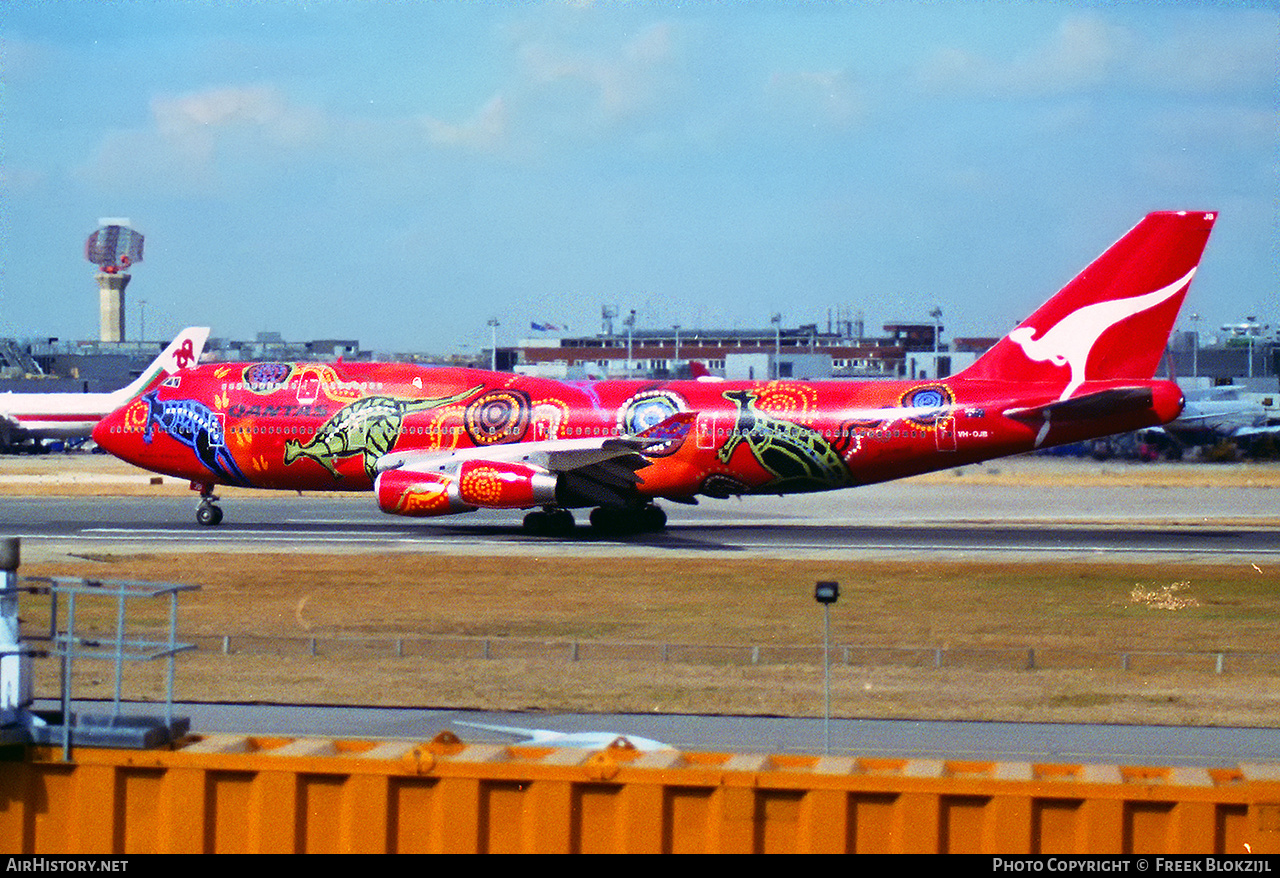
x=1104 y=403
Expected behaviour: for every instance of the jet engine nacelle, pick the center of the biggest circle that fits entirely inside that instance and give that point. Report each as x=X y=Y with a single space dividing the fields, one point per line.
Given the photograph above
x=476 y=484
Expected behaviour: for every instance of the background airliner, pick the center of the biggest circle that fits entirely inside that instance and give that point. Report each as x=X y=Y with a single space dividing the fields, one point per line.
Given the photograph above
x=74 y=415
x=440 y=441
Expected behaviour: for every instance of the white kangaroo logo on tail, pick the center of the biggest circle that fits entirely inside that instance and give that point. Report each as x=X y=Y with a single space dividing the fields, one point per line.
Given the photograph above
x=1072 y=338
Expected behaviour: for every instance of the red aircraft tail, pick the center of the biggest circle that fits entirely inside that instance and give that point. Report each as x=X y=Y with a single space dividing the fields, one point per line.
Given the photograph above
x=1113 y=320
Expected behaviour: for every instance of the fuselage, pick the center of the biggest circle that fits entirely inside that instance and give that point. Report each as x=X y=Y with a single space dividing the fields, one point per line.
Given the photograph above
x=310 y=426
x=57 y=415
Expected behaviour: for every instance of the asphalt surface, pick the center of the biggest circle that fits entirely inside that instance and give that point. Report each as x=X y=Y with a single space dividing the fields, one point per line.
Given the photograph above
x=873 y=738
x=888 y=521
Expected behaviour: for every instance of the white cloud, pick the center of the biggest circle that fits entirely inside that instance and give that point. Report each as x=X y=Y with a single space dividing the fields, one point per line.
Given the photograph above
x=486 y=130
x=1183 y=55
x=620 y=84
x=188 y=136
x=1082 y=54
x=826 y=98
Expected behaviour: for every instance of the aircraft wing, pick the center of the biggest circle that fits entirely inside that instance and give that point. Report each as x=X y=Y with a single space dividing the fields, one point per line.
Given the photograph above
x=1256 y=432
x=601 y=469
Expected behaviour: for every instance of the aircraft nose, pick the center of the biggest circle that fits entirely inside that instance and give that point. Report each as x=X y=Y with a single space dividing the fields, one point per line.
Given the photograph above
x=107 y=432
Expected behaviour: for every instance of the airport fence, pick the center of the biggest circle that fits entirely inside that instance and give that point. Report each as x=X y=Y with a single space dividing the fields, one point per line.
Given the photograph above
x=457 y=647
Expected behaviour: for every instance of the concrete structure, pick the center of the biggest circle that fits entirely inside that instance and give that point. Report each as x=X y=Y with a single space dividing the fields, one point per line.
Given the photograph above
x=111 y=305
x=754 y=354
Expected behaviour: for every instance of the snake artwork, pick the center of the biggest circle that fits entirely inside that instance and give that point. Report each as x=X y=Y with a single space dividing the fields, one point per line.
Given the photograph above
x=798 y=457
x=368 y=426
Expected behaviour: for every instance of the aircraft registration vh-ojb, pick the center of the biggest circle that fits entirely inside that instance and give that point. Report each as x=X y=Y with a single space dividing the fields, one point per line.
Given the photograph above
x=437 y=441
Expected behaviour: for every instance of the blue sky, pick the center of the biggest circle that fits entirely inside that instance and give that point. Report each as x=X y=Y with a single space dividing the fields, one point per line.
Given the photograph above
x=400 y=173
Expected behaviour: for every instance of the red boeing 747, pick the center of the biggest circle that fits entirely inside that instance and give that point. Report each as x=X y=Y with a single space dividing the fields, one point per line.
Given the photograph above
x=438 y=441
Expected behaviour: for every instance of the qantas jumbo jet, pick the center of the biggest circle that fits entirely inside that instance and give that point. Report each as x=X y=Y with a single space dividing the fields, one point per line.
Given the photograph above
x=74 y=415
x=438 y=441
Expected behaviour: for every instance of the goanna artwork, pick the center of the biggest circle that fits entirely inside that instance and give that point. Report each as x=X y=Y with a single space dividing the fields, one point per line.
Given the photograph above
x=798 y=457
x=368 y=426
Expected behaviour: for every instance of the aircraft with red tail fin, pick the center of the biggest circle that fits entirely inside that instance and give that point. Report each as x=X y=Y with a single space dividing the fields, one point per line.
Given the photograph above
x=438 y=441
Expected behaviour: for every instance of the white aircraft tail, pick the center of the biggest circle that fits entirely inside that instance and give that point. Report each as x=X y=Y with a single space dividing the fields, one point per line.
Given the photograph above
x=182 y=353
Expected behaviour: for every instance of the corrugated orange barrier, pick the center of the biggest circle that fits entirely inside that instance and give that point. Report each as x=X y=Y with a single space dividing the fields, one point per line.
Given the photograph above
x=245 y=794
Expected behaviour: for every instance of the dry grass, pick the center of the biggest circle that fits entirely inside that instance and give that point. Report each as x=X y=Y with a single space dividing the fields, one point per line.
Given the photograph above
x=1095 y=609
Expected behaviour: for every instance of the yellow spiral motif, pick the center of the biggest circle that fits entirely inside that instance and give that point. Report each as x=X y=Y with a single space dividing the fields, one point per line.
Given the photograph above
x=135 y=416
x=482 y=485
x=787 y=401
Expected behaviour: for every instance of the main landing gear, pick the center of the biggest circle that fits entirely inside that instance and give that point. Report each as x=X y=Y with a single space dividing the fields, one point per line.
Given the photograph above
x=208 y=512
x=615 y=520
x=551 y=521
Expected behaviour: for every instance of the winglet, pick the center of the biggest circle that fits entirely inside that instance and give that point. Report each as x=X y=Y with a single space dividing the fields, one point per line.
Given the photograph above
x=671 y=429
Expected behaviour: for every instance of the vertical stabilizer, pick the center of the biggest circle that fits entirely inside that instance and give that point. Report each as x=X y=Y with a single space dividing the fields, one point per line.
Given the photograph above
x=1113 y=320
x=182 y=353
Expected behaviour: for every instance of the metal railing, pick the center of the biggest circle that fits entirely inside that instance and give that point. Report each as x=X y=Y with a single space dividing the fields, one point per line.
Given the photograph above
x=971 y=657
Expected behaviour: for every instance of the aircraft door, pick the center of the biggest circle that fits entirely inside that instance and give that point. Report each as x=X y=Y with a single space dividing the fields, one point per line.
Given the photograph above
x=706 y=430
x=308 y=389
x=944 y=432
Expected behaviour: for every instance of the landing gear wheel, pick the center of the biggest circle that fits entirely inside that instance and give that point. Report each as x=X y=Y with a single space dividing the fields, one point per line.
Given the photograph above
x=208 y=513
x=652 y=518
x=642 y=519
x=549 y=522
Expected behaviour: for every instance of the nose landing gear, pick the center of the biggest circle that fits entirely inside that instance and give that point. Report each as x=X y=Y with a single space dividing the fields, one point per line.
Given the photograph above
x=208 y=513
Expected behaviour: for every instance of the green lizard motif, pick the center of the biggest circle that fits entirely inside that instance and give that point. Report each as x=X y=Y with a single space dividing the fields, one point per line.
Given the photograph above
x=368 y=426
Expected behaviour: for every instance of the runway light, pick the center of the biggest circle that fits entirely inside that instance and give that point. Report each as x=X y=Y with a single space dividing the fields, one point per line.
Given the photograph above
x=826 y=592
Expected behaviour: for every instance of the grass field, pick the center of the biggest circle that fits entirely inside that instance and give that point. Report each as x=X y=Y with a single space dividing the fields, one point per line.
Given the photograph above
x=1096 y=610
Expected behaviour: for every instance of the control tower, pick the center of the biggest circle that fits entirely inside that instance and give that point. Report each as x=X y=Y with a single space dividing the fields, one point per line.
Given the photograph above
x=114 y=247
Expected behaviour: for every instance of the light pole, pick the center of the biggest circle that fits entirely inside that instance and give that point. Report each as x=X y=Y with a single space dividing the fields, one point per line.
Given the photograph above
x=493 y=350
x=936 y=314
x=826 y=593
x=776 y=320
x=630 y=323
x=1195 y=346
x=675 y=364
x=1250 y=329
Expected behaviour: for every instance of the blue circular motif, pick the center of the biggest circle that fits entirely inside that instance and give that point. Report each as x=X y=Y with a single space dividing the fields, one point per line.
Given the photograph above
x=930 y=398
x=926 y=405
x=644 y=410
x=266 y=377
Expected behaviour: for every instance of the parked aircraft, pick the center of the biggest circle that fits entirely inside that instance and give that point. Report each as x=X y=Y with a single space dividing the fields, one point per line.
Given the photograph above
x=74 y=415
x=440 y=441
x=1211 y=416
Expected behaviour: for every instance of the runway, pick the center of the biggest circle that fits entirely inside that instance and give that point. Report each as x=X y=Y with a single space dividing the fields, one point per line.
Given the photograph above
x=896 y=520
